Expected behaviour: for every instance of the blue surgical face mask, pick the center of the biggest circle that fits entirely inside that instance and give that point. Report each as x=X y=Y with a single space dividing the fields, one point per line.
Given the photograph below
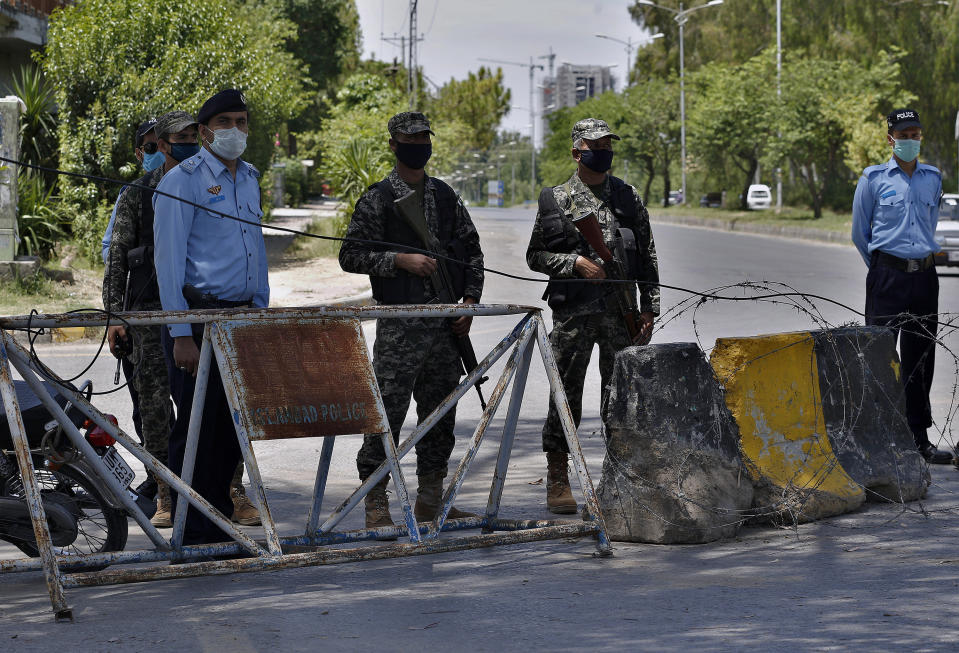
x=153 y=161
x=906 y=149
x=181 y=151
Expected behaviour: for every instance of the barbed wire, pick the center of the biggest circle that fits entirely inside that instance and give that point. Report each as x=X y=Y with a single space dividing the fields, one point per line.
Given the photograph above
x=787 y=501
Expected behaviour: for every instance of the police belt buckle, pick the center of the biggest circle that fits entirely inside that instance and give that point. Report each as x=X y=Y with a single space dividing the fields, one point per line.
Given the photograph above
x=913 y=265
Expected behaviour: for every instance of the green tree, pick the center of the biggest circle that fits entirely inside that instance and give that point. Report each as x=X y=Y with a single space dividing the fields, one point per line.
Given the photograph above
x=824 y=104
x=733 y=116
x=329 y=41
x=116 y=62
x=645 y=116
x=353 y=147
x=859 y=31
x=479 y=101
x=328 y=38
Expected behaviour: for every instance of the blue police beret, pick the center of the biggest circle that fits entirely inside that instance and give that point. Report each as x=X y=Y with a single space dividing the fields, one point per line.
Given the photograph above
x=228 y=100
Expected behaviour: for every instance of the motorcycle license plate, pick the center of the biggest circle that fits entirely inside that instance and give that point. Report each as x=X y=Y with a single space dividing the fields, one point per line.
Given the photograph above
x=118 y=467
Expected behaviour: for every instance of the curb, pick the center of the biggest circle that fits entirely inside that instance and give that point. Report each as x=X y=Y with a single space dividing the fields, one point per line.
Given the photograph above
x=783 y=231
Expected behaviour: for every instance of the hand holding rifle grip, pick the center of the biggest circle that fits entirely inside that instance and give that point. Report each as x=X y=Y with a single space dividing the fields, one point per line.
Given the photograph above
x=588 y=226
x=441 y=283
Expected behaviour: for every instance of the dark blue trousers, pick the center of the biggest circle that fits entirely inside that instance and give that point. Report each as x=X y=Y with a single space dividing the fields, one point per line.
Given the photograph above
x=218 y=451
x=908 y=302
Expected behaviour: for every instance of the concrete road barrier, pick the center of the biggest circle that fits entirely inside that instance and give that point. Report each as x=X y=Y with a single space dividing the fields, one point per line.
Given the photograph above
x=773 y=390
x=864 y=410
x=672 y=473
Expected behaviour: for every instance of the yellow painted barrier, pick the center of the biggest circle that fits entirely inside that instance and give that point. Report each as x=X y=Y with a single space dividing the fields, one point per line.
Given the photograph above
x=772 y=389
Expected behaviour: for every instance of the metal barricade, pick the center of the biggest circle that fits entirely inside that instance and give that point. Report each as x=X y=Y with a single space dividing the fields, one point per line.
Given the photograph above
x=230 y=336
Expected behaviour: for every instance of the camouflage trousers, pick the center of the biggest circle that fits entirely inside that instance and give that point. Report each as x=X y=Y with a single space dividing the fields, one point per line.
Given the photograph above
x=422 y=362
x=151 y=383
x=572 y=339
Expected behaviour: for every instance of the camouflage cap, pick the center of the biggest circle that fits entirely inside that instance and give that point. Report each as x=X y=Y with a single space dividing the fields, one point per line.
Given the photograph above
x=409 y=122
x=591 y=129
x=173 y=122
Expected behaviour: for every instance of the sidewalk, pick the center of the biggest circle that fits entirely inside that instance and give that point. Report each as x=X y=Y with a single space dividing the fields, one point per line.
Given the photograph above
x=298 y=282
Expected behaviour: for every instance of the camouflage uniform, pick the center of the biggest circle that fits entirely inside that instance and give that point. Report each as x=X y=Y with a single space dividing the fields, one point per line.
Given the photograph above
x=150 y=372
x=578 y=325
x=411 y=356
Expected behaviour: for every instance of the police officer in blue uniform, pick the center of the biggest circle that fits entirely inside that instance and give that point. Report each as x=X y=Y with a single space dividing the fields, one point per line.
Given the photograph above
x=894 y=218
x=204 y=260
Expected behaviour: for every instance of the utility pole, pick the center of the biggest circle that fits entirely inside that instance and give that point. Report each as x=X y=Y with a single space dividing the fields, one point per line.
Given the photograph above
x=532 y=114
x=413 y=81
x=779 y=92
x=681 y=16
x=401 y=40
x=551 y=57
x=408 y=50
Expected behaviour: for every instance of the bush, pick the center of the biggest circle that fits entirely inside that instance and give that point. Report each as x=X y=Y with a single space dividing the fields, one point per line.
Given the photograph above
x=88 y=230
x=295 y=188
x=115 y=63
x=40 y=218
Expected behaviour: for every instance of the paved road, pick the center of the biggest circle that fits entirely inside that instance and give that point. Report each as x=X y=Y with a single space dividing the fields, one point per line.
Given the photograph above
x=883 y=577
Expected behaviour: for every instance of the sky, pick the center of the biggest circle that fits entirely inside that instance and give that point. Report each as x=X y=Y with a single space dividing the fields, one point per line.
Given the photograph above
x=457 y=33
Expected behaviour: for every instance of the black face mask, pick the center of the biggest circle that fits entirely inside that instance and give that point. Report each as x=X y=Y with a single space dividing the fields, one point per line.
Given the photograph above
x=414 y=155
x=181 y=151
x=596 y=160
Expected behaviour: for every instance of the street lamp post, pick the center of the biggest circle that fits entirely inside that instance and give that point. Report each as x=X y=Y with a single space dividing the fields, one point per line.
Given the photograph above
x=779 y=93
x=630 y=46
x=532 y=114
x=681 y=16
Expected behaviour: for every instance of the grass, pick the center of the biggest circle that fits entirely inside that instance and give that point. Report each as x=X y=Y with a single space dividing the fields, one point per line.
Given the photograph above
x=20 y=295
x=790 y=216
x=306 y=249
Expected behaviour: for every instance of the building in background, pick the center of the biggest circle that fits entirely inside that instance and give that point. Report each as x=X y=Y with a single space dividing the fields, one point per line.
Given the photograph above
x=571 y=85
x=23 y=29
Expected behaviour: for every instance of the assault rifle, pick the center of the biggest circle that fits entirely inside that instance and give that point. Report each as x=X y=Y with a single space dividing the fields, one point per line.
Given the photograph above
x=614 y=264
x=442 y=284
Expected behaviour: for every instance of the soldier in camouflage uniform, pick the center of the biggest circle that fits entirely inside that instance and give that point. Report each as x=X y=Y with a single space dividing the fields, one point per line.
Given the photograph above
x=131 y=253
x=413 y=356
x=587 y=314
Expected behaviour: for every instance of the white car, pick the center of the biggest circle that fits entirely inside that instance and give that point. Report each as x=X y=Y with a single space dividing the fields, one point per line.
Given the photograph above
x=947 y=230
x=759 y=197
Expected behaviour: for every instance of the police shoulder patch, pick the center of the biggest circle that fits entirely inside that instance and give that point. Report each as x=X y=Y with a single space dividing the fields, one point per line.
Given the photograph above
x=873 y=170
x=928 y=168
x=189 y=165
x=252 y=169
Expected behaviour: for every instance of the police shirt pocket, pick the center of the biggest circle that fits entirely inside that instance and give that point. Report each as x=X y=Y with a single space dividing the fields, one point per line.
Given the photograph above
x=891 y=208
x=255 y=210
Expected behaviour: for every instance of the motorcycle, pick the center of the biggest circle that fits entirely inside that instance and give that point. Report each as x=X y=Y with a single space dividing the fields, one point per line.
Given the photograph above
x=83 y=514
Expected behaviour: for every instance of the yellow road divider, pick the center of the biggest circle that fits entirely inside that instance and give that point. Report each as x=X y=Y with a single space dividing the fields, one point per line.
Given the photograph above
x=772 y=389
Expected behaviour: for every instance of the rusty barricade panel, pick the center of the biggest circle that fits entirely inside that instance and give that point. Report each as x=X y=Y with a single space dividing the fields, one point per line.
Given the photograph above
x=301 y=378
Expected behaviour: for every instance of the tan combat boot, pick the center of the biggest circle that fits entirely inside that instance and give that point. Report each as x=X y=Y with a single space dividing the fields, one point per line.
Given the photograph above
x=559 y=497
x=244 y=512
x=378 y=508
x=429 y=499
x=163 y=518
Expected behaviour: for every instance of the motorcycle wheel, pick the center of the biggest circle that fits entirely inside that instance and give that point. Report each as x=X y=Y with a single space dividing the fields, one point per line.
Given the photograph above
x=100 y=528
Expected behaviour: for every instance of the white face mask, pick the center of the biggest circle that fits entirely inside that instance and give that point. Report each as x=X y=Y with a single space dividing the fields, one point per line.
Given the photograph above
x=229 y=143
